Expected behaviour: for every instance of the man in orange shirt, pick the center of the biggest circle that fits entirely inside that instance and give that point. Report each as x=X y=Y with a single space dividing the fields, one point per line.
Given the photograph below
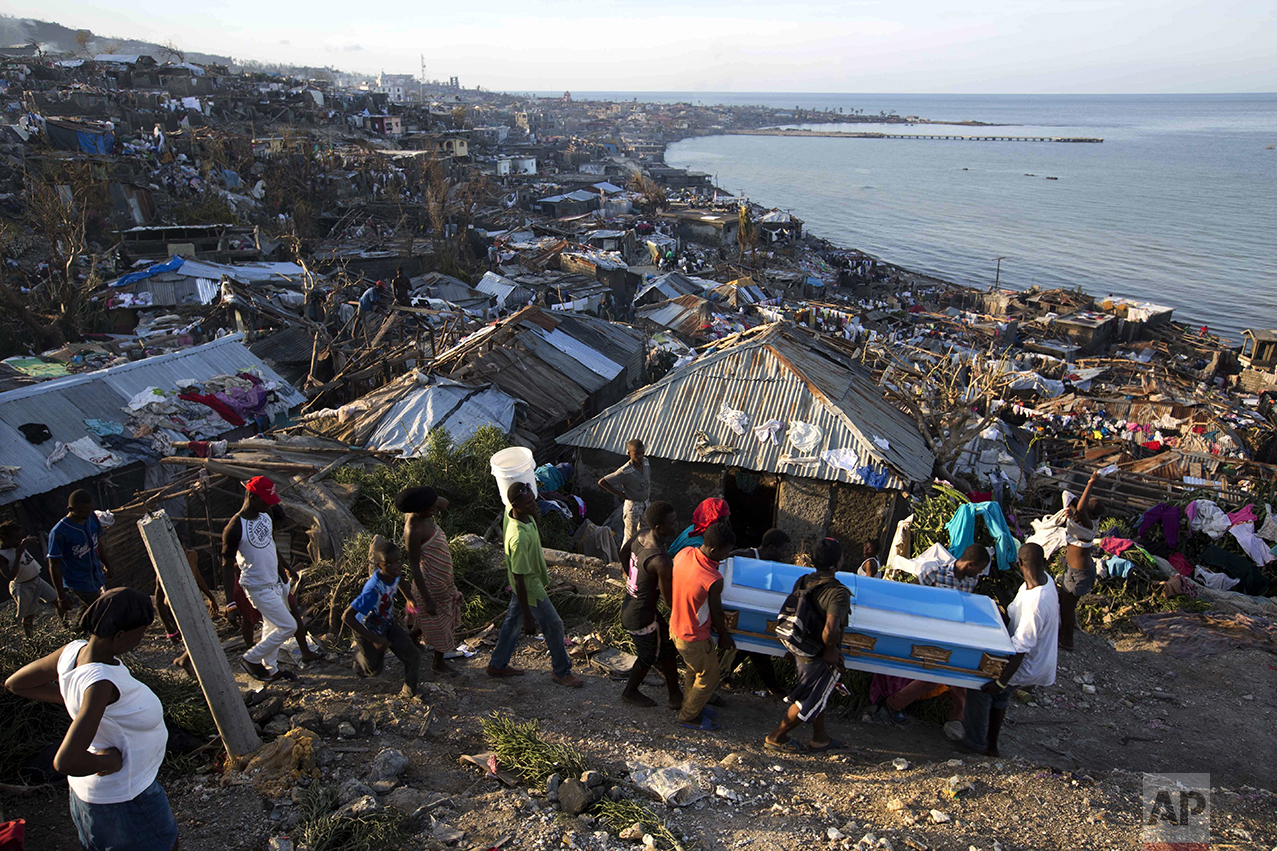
x=697 y=607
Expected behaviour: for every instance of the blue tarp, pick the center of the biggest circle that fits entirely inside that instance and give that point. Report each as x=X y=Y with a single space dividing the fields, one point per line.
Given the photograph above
x=171 y=265
x=95 y=143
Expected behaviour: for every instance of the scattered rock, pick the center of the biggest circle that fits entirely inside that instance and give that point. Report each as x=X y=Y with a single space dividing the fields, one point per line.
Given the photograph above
x=324 y=756
x=361 y=807
x=408 y=800
x=900 y=763
x=575 y=797
x=938 y=817
x=280 y=843
x=346 y=730
x=835 y=834
x=351 y=790
x=382 y=787
x=1087 y=688
x=277 y=726
x=633 y=832
x=724 y=792
x=267 y=709
x=446 y=833
x=735 y=760
x=552 y=787
x=955 y=787
x=895 y=805
x=387 y=765
x=649 y=840
x=310 y=719
x=592 y=779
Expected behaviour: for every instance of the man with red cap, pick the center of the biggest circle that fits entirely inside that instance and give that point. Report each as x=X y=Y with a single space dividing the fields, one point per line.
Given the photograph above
x=248 y=542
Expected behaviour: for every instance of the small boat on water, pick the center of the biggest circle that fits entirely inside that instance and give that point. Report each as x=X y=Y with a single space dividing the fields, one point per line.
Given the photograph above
x=936 y=634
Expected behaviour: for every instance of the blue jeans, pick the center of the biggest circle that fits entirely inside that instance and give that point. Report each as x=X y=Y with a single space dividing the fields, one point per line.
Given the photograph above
x=143 y=824
x=975 y=716
x=551 y=627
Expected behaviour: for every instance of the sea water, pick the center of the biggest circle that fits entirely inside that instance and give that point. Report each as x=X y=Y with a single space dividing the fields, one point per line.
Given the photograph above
x=1177 y=206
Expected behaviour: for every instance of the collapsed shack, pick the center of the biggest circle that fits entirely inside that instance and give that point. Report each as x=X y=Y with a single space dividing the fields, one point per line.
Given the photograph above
x=560 y=366
x=206 y=490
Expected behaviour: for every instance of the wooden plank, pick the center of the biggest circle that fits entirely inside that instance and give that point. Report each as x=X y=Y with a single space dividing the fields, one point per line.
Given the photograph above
x=214 y=674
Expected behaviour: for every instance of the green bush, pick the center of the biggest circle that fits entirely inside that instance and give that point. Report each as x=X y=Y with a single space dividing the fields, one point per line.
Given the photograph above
x=461 y=473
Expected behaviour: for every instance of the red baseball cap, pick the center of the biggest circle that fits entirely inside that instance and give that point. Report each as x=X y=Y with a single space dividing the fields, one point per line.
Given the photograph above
x=264 y=488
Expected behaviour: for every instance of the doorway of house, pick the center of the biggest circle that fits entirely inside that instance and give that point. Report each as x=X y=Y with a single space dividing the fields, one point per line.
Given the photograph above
x=752 y=499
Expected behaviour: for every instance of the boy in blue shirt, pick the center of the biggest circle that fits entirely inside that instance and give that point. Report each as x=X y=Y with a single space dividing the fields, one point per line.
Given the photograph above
x=75 y=555
x=372 y=618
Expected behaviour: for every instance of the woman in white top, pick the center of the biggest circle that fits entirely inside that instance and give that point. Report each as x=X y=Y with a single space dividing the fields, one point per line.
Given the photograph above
x=112 y=752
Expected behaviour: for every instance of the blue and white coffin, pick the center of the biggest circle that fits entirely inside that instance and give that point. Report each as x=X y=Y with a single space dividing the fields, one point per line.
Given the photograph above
x=935 y=634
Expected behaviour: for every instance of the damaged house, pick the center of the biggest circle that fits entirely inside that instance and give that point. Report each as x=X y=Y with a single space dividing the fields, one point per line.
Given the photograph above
x=783 y=424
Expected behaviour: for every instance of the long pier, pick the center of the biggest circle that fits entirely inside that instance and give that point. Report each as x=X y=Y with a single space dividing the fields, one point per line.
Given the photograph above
x=840 y=134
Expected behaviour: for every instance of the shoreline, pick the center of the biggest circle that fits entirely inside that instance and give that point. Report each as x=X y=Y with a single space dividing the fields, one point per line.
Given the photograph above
x=1229 y=339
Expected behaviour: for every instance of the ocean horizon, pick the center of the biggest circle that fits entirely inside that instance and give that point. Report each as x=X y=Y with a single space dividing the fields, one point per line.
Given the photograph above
x=1175 y=206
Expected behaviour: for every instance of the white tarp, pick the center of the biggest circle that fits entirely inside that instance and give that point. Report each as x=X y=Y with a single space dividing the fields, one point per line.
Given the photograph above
x=459 y=408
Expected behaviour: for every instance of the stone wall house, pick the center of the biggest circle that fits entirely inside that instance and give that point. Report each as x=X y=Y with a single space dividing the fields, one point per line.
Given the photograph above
x=778 y=372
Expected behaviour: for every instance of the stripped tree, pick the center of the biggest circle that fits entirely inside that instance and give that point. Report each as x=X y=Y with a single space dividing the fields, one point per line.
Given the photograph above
x=950 y=397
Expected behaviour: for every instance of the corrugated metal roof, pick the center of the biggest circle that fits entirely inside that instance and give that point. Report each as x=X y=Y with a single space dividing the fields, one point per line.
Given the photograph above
x=64 y=403
x=553 y=383
x=686 y=314
x=783 y=373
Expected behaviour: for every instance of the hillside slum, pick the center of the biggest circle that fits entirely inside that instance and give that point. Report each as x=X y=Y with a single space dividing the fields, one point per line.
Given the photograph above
x=194 y=255
x=354 y=285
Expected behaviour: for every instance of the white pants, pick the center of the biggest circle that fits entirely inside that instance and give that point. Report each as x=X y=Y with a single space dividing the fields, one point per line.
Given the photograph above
x=277 y=622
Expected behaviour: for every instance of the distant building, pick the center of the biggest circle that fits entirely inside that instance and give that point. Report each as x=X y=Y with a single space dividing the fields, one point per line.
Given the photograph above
x=516 y=165
x=387 y=125
x=397 y=86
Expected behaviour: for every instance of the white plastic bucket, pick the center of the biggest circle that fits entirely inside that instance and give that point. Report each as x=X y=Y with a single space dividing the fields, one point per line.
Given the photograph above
x=515 y=464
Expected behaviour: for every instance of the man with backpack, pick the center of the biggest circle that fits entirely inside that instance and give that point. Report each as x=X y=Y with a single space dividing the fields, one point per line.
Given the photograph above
x=811 y=626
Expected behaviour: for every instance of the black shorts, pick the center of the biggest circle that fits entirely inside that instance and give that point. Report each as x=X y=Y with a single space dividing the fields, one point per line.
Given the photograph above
x=654 y=646
x=816 y=682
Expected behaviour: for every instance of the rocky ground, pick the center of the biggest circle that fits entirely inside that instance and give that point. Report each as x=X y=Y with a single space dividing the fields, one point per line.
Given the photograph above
x=1069 y=777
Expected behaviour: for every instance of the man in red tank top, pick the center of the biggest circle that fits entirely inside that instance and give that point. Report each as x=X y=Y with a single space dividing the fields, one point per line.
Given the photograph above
x=696 y=609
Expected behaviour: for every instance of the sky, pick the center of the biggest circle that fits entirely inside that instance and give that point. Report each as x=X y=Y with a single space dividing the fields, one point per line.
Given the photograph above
x=923 y=46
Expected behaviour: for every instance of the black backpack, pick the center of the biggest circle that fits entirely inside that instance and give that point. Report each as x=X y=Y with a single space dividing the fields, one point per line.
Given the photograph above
x=801 y=624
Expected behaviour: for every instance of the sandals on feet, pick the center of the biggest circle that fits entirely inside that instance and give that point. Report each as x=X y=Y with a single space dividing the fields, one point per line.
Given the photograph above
x=707 y=724
x=831 y=745
x=790 y=747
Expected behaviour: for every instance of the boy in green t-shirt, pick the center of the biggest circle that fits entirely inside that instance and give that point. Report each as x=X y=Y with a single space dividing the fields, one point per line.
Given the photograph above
x=529 y=604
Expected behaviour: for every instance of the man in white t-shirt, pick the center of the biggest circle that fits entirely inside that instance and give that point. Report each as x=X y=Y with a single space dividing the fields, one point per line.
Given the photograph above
x=1034 y=617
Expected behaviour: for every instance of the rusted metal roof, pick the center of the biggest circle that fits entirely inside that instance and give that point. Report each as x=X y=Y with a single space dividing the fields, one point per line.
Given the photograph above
x=781 y=372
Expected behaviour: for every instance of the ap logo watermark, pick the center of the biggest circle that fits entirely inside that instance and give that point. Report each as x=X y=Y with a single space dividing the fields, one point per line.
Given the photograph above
x=1176 y=812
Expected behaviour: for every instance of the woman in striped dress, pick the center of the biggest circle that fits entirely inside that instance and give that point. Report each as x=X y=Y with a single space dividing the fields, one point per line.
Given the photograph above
x=430 y=568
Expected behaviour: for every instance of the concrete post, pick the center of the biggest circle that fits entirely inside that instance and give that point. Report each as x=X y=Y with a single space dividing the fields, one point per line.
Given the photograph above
x=220 y=690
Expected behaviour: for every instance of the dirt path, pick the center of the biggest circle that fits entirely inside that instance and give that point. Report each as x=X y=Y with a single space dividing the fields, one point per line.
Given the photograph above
x=1069 y=778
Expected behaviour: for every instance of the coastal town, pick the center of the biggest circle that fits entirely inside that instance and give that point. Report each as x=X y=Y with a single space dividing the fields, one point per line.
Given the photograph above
x=424 y=327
